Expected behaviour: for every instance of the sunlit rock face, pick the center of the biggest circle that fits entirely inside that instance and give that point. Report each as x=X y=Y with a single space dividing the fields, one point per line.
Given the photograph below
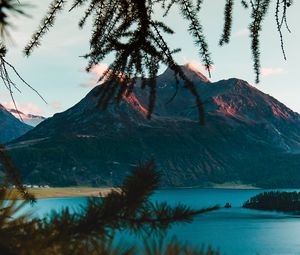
x=10 y=126
x=248 y=137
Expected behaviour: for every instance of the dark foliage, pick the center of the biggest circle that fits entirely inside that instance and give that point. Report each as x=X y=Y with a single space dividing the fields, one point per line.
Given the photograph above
x=275 y=200
x=259 y=11
x=5 y=69
x=93 y=227
x=7 y=9
x=12 y=175
x=127 y=29
x=228 y=22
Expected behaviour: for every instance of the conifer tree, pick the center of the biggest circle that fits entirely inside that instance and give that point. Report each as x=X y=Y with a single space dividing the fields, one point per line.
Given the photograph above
x=92 y=229
x=128 y=29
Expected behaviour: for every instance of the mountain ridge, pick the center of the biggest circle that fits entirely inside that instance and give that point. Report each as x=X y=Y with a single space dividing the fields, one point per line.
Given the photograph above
x=10 y=126
x=29 y=119
x=249 y=137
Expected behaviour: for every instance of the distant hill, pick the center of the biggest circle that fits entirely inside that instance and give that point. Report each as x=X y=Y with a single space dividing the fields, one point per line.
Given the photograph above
x=10 y=126
x=249 y=137
x=29 y=119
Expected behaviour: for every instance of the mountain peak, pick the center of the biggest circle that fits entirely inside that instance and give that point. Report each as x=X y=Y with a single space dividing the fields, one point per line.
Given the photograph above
x=190 y=70
x=26 y=118
x=247 y=136
x=10 y=127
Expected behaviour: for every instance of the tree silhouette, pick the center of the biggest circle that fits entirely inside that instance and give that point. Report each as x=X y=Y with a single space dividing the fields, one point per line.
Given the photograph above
x=91 y=230
x=129 y=30
x=276 y=201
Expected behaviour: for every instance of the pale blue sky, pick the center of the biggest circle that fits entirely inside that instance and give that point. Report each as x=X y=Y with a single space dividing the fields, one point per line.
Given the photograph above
x=57 y=72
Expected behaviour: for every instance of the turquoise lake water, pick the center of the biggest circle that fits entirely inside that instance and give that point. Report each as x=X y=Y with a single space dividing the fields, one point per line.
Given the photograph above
x=234 y=231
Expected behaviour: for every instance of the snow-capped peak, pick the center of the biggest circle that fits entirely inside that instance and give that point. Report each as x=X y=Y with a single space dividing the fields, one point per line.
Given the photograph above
x=30 y=119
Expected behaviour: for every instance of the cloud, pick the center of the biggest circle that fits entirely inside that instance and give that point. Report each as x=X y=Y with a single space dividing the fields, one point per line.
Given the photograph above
x=241 y=33
x=195 y=64
x=270 y=71
x=95 y=73
x=27 y=108
x=4 y=94
x=56 y=105
x=99 y=69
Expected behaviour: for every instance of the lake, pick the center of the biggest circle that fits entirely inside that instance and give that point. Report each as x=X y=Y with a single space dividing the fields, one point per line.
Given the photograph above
x=234 y=231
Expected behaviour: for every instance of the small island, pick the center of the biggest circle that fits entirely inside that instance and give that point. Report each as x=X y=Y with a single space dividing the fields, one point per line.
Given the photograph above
x=227 y=205
x=275 y=201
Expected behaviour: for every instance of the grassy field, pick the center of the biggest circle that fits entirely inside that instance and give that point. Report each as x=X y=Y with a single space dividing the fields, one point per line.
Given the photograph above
x=68 y=192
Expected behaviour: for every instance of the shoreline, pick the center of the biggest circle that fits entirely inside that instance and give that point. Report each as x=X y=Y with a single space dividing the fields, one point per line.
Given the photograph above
x=229 y=185
x=64 y=192
x=234 y=186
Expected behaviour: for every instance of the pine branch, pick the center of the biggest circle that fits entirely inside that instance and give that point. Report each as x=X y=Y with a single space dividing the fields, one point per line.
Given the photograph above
x=87 y=13
x=9 y=8
x=123 y=28
x=245 y=4
x=195 y=28
x=47 y=22
x=259 y=10
x=8 y=83
x=228 y=22
x=279 y=28
x=129 y=208
x=169 y=61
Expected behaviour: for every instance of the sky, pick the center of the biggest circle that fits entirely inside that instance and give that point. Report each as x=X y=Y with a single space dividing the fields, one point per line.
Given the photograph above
x=57 y=71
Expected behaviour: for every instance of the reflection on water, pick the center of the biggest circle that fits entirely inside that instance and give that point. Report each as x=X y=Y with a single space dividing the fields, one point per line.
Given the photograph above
x=234 y=231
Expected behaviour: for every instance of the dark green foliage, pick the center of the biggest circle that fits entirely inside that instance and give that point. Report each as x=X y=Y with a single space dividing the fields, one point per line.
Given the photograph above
x=129 y=31
x=189 y=12
x=282 y=5
x=47 y=22
x=5 y=69
x=7 y=9
x=245 y=4
x=228 y=22
x=12 y=175
x=91 y=230
x=259 y=10
x=275 y=200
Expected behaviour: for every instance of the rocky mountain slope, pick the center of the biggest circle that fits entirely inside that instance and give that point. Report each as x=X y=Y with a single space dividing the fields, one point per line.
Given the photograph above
x=249 y=137
x=10 y=126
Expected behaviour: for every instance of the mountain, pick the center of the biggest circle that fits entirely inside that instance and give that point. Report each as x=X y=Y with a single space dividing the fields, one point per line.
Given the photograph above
x=10 y=126
x=249 y=137
x=29 y=119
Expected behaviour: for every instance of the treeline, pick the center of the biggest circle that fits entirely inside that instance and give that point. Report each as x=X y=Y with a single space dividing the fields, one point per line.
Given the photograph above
x=275 y=200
